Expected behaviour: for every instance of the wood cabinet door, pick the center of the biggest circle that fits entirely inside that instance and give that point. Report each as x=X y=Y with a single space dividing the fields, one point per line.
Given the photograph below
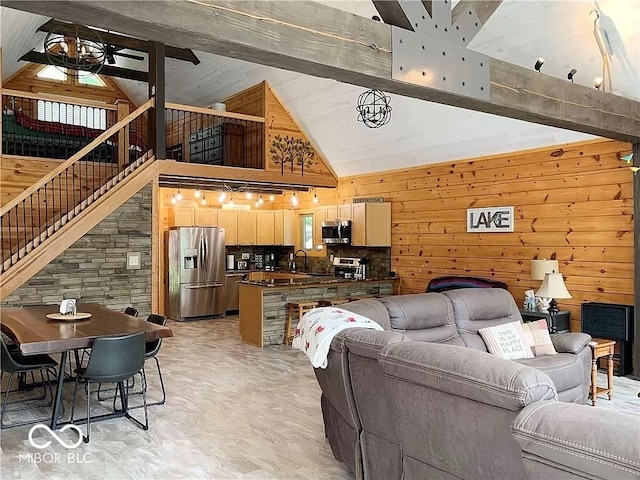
x=181 y=217
x=344 y=211
x=265 y=226
x=278 y=227
x=358 y=224
x=378 y=224
x=318 y=218
x=331 y=213
x=228 y=219
x=206 y=217
x=247 y=228
x=288 y=228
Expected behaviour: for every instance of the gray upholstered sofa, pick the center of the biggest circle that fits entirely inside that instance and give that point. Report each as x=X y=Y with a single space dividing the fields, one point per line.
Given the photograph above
x=361 y=415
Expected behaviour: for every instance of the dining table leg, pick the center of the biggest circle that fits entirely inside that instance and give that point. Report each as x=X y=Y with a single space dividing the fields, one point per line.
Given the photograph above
x=57 y=403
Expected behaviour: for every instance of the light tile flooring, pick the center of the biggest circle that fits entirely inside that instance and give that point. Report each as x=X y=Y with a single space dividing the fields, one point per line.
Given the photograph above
x=233 y=411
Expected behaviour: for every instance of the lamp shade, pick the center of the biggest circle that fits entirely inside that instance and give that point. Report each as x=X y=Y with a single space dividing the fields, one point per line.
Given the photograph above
x=553 y=287
x=540 y=267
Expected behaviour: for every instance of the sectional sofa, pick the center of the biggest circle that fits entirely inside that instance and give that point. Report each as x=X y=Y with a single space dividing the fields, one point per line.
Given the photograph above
x=423 y=398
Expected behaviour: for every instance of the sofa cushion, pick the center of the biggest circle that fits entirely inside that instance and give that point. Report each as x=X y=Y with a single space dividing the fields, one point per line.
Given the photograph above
x=564 y=369
x=573 y=342
x=371 y=309
x=537 y=336
x=424 y=317
x=476 y=308
x=506 y=341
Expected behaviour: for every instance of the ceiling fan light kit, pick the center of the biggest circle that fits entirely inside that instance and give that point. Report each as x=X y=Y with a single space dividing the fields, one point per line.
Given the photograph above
x=76 y=56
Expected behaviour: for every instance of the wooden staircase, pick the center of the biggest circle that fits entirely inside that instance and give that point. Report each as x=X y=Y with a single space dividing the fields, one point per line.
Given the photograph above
x=56 y=211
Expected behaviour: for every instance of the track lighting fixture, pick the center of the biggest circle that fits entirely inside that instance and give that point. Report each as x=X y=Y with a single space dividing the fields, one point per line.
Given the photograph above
x=272 y=197
x=249 y=195
x=179 y=196
x=294 y=199
x=257 y=204
x=260 y=200
x=203 y=201
x=231 y=204
x=173 y=199
x=539 y=64
x=197 y=193
x=598 y=82
x=315 y=198
x=222 y=197
x=571 y=74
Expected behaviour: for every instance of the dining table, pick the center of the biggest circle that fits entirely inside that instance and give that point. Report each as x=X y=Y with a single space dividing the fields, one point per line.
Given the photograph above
x=34 y=333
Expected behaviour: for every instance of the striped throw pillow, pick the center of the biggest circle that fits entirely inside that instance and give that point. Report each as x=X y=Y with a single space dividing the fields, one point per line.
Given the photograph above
x=506 y=341
x=537 y=336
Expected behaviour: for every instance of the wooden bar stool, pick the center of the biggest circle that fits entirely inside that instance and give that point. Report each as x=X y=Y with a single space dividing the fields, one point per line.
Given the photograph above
x=298 y=309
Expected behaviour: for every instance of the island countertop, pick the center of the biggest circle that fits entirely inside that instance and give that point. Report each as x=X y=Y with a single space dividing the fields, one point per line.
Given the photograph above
x=263 y=303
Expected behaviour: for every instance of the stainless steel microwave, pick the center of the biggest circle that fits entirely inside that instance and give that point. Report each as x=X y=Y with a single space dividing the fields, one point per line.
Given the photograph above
x=338 y=231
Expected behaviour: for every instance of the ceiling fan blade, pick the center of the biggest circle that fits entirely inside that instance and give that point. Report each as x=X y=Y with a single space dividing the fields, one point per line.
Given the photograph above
x=129 y=55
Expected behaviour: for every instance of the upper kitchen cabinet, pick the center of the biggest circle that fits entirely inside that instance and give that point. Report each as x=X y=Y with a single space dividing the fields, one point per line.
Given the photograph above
x=283 y=227
x=266 y=227
x=344 y=211
x=180 y=216
x=319 y=216
x=247 y=231
x=228 y=219
x=371 y=224
x=331 y=213
x=206 y=217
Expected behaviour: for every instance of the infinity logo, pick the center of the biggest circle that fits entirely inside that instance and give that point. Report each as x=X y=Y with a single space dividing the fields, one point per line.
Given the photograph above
x=40 y=426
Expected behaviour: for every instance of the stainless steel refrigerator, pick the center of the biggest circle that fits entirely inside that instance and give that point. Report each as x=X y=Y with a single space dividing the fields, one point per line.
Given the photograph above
x=196 y=272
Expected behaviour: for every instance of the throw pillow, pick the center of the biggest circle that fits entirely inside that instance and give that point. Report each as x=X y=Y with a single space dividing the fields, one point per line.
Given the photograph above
x=506 y=341
x=537 y=336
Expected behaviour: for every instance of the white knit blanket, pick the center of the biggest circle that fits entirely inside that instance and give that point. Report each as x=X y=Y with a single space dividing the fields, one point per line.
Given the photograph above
x=317 y=327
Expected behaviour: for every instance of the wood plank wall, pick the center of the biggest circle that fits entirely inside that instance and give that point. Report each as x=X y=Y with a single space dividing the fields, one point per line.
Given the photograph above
x=573 y=203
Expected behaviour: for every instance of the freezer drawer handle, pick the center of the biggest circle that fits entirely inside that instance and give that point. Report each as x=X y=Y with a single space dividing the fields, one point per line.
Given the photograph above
x=215 y=285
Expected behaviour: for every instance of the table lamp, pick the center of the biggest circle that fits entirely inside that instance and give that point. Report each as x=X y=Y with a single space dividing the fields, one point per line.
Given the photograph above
x=540 y=267
x=553 y=287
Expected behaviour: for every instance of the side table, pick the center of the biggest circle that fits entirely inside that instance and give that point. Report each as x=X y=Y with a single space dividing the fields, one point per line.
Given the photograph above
x=601 y=348
x=563 y=318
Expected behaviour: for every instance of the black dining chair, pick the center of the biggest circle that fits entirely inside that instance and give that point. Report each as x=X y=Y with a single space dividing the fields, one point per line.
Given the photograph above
x=114 y=360
x=151 y=351
x=14 y=363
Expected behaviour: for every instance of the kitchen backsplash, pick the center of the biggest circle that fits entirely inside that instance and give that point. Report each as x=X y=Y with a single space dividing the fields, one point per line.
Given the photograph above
x=281 y=254
x=379 y=264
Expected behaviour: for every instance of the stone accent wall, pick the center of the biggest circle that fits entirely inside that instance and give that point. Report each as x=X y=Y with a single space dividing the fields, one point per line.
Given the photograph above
x=94 y=269
x=275 y=302
x=379 y=265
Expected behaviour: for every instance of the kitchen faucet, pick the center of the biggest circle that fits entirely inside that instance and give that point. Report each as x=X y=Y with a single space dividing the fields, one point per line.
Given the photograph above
x=306 y=265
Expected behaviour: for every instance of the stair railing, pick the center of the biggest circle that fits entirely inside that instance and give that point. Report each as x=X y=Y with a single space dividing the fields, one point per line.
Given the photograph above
x=47 y=205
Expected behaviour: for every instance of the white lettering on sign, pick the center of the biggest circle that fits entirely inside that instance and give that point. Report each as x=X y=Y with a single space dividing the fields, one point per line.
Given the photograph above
x=491 y=219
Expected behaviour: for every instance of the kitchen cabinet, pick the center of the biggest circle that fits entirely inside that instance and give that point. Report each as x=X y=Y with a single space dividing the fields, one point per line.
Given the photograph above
x=180 y=217
x=331 y=213
x=371 y=224
x=228 y=219
x=344 y=211
x=319 y=216
x=247 y=234
x=206 y=217
x=283 y=227
x=265 y=227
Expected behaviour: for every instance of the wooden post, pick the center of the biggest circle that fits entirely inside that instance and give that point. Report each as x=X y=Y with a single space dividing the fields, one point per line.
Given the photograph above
x=157 y=123
x=636 y=261
x=123 y=135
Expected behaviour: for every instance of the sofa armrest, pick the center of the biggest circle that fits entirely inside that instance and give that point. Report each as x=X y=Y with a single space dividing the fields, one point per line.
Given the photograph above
x=557 y=438
x=570 y=342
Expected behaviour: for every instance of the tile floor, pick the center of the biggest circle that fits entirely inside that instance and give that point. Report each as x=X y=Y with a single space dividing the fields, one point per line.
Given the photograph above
x=233 y=411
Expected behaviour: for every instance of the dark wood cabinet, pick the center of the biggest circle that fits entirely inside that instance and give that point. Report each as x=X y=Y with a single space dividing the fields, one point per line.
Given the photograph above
x=221 y=144
x=563 y=319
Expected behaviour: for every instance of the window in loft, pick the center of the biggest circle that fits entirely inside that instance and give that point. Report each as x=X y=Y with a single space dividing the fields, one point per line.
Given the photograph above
x=52 y=73
x=91 y=80
x=90 y=117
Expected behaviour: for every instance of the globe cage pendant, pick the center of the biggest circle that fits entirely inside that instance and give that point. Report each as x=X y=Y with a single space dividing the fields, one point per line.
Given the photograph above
x=374 y=109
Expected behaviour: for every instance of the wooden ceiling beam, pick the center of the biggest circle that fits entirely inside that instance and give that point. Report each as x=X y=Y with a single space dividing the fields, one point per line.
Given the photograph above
x=117 y=40
x=108 y=70
x=322 y=41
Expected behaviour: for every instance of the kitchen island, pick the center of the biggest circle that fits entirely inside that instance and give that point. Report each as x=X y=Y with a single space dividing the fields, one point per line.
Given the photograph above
x=263 y=303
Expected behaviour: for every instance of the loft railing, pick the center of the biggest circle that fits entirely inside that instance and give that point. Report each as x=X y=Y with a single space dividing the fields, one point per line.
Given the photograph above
x=46 y=206
x=212 y=137
x=49 y=126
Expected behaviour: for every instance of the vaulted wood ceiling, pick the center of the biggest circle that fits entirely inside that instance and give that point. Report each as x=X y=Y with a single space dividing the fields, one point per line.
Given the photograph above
x=419 y=132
